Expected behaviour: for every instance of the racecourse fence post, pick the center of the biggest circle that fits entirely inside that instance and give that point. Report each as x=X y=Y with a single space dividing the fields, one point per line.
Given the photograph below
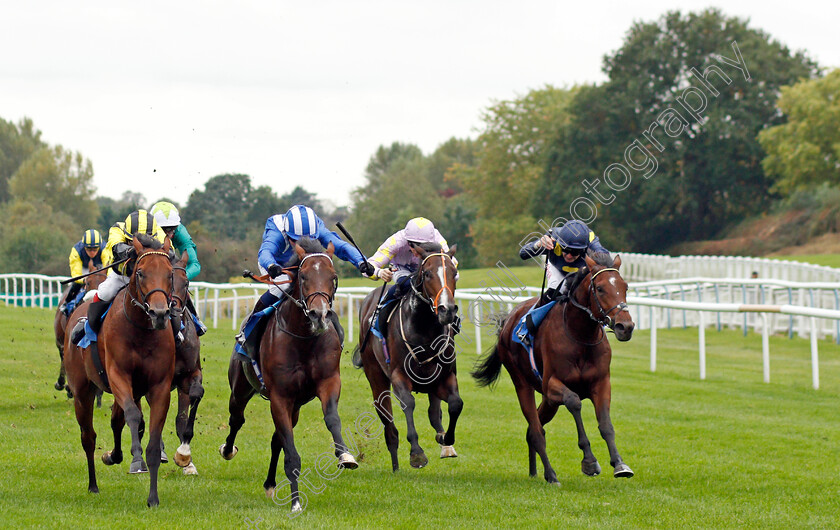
x=815 y=358
x=350 y=317
x=216 y=309
x=477 y=321
x=702 y=337
x=765 y=345
x=235 y=310
x=652 y=340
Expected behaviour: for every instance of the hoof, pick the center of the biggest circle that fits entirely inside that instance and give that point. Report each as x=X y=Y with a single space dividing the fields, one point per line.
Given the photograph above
x=138 y=466
x=347 y=461
x=152 y=503
x=623 y=471
x=269 y=492
x=190 y=469
x=183 y=456
x=163 y=458
x=59 y=386
x=93 y=489
x=447 y=451
x=69 y=392
x=418 y=461
x=590 y=469
x=109 y=460
x=296 y=507
x=232 y=453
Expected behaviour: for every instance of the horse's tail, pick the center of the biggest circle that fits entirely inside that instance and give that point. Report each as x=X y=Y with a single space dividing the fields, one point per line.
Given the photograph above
x=357 y=357
x=487 y=370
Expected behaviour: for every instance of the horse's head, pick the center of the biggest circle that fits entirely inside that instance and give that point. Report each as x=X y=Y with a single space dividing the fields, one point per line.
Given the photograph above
x=608 y=294
x=180 y=283
x=436 y=280
x=316 y=281
x=152 y=279
x=94 y=279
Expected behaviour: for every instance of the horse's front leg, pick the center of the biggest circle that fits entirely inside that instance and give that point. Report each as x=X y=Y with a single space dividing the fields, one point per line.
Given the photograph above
x=535 y=435
x=124 y=398
x=115 y=456
x=190 y=393
x=241 y=393
x=329 y=391
x=283 y=438
x=158 y=398
x=449 y=391
x=601 y=399
x=402 y=391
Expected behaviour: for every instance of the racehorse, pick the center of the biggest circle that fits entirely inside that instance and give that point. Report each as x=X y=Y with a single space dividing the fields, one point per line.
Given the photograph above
x=137 y=349
x=299 y=360
x=420 y=343
x=187 y=377
x=60 y=326
x=571 y=361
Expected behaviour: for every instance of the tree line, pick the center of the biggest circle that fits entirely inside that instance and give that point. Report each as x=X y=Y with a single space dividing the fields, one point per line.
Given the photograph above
x=703 y=121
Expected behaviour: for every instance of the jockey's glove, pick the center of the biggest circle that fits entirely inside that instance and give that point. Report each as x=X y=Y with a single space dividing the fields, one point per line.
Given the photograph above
x=122 y=251
x=366 y=268
x=274 y=270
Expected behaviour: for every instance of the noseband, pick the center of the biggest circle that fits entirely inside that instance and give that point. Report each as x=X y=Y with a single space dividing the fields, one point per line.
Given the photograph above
x=605 y=319
x=421 y=290
x=142 y=303
x=178 y=305
x=303 y=302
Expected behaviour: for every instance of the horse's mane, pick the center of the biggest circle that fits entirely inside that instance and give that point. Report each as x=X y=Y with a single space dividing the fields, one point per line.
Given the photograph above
x=601 y=258
x=149 y=242
x=310 y=246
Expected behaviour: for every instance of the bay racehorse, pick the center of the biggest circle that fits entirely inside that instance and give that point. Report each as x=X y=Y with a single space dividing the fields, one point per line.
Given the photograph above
x=137 y=350
x=571 y=361
x=420 y=355
x=299 y=357
x=60 y=325
x=187 y=378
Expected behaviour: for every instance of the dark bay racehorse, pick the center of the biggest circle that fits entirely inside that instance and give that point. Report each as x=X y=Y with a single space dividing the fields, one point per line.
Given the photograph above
x=421 y=347
x=137 y=349
x=299 y=359
x=60 y=325
x=573 y=356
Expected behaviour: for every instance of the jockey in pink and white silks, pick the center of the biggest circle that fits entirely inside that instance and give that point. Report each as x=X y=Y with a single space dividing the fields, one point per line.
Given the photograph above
x=398 y=252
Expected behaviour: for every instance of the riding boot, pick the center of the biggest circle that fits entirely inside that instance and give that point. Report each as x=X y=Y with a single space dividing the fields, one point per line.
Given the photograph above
x=200 y=328
x=66 y=306
x=251 y=330
x=95 y=311
x=175 y=322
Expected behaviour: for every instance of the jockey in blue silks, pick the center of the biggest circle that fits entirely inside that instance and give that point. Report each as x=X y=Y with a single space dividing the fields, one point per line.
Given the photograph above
x=277 y=250
x=565 y=248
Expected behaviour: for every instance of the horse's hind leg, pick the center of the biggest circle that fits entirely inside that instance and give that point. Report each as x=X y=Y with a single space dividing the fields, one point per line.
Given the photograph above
x=328 y=392
x=115 y=456
x=183 y=456
x=589 y=465
x=62 y=374
x=601 y=400
x=241 y=392
x=535 y=435
x=283 y=438
x=83 y=402
x=380 y=386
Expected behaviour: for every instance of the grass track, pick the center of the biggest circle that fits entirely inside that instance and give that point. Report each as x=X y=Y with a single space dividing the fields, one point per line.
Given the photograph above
x=727 y=452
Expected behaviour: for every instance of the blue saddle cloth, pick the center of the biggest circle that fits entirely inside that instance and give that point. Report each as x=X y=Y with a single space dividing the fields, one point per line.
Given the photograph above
x=90 y=335
x=250 y=325
x=537 y=316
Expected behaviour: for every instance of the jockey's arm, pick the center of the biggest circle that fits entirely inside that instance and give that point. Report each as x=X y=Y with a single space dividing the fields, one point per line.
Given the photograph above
x=76 y=266
x=383 y=256
x=184 y=243
x=532 y=250
x=595 y=246
x=343 y=249
x=273 y=244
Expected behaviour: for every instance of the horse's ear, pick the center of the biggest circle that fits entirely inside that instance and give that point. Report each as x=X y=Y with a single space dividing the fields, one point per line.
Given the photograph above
x=138 y=246
x=299 y=250
x=589 y=262
x=167 y=244
x=330 y=249
x=452 y=250
x=617 y=262
x=185 y=258
x=420 y=252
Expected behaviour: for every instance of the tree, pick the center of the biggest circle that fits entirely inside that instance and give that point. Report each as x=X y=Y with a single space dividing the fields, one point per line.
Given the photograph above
x=112 y=211
x=805 y=151
x=711 y=78
x=35 y=239
x=59 y=178
x=223 y=206
x=17 y=143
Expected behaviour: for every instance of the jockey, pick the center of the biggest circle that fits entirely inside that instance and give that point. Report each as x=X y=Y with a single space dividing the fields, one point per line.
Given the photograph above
x=85 y=256
x=400 y=252
x=119 y=247
x=276 y=250
x=168 y=219
x=565 y=248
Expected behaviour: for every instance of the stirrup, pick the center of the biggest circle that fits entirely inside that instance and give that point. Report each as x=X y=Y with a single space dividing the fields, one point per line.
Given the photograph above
x=240 y=338
x=200 y=328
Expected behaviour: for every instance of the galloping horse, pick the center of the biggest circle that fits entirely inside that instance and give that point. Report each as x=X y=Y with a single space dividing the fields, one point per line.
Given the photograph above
x=570 y=361
x=299 y=360
x=421 y=344
x=137 y=349
x=60 y=325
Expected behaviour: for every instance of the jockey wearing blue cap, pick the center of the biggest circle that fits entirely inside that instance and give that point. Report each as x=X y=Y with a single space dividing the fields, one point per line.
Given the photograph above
x=276 y=250
x=565 y=248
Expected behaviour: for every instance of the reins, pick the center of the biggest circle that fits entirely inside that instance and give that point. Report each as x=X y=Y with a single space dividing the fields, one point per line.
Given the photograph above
x=142 y=303
x=606 y=320
x=302 y=302
x=422 y=295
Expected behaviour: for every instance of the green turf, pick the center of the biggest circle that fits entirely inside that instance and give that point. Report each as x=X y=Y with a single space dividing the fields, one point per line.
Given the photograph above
x=827 y=260
x=727 y=452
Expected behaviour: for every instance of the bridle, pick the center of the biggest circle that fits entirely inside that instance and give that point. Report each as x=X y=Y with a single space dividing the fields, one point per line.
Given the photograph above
x=178 y=305
x=420 y=291
x=606 y=318
x=302 y=302
x=142 y=303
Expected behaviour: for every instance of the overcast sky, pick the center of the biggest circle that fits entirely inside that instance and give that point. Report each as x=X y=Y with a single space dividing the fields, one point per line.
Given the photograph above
x=161 y=96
